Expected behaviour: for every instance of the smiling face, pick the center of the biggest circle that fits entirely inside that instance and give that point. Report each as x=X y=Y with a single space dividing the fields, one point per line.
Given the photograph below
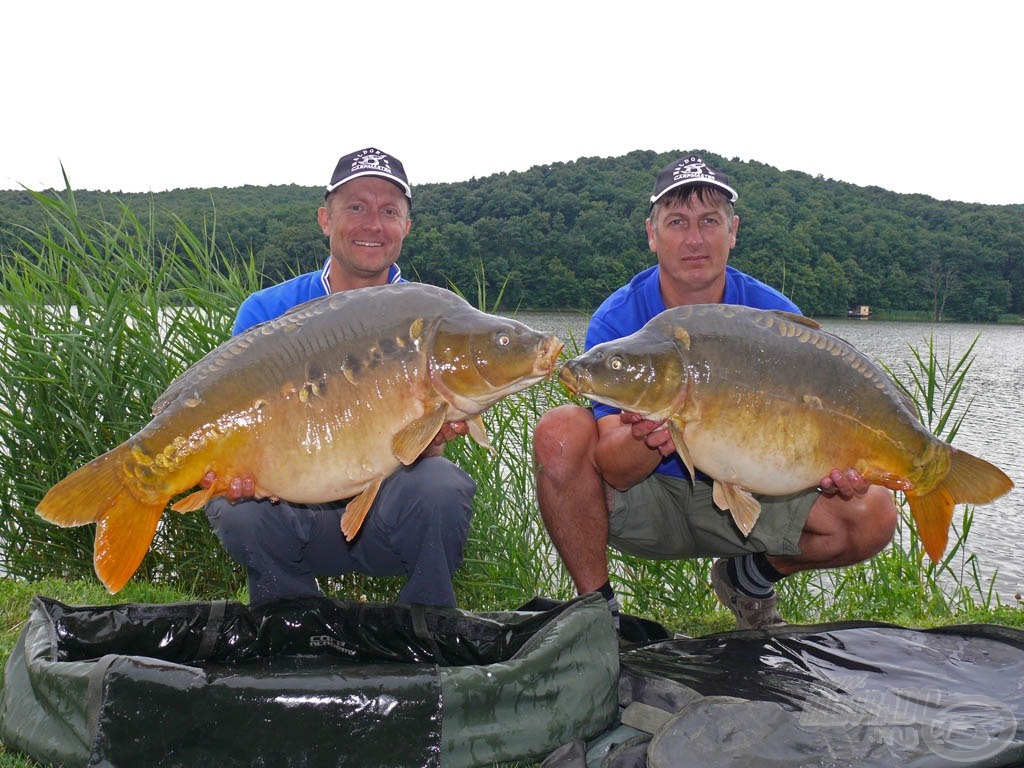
x=692 y=235
x=366 y=220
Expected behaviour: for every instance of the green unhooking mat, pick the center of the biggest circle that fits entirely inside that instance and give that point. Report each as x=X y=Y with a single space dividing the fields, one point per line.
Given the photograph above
x=306 y=682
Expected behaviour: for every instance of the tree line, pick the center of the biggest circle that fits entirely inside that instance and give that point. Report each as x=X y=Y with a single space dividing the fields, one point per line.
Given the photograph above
x=564 y=235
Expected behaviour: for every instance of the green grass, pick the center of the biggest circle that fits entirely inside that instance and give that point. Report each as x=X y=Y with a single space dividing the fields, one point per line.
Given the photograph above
x=98 y=318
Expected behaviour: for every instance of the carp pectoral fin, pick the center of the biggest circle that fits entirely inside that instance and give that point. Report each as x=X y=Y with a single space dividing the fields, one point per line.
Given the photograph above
x=676 y=430
x=357 y=509
x=123 y=536
x=478 y=432
x=933 y=514
x=743 y=507
x=195 y=501
x=411 y=441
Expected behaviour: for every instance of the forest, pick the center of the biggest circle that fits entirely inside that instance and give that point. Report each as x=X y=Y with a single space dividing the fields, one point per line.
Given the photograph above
x=564 y=235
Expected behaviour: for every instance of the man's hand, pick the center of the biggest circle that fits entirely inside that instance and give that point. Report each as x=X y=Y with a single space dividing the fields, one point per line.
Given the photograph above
x=653 y=434
x=239 y=488
x=449 y=431
x=845 y=485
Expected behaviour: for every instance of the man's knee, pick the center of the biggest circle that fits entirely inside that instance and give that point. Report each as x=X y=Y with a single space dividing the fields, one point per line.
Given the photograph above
x=564 y=436
x=233 y=525
x=868 y=522
x=881 y=519
x=432 y=492
x=248 y=527
x=435 y=481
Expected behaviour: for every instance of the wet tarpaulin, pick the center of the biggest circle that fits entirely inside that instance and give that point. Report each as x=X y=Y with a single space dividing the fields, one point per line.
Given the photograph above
x=849 y=694
x=310 y=682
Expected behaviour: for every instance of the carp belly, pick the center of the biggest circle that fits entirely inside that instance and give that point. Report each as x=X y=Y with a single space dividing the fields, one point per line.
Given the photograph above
x=330 y=457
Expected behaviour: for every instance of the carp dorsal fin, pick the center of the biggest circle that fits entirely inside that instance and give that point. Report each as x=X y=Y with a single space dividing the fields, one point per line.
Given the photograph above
x=478 y=432
x=743 y=507
x=793 y=317
x=681 y=336
x=357 y=509
x=416 y=329
x=413 y=439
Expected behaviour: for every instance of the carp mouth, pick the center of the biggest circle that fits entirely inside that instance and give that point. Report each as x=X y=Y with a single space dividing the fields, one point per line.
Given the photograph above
x=568 y=376
x=548 y=359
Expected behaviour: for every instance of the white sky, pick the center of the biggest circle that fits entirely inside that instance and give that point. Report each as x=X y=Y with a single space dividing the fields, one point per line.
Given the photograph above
x=139 y=95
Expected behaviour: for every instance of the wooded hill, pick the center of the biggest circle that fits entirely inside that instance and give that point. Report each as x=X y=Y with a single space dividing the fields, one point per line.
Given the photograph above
x=565 y=235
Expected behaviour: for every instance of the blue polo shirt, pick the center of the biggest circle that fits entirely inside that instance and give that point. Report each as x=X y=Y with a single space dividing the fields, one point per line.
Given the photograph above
x=634 y=304
x=275 y=300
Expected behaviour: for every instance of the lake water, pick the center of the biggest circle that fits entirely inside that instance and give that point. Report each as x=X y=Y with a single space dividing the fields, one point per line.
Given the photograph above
x=993 y=428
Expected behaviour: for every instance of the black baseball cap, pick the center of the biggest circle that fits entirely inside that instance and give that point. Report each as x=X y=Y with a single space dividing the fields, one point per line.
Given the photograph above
x=690 y=169
x=369 y=162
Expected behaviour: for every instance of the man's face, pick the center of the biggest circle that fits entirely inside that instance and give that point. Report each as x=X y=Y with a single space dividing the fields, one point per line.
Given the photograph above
x=366 y=220
x=693 y=241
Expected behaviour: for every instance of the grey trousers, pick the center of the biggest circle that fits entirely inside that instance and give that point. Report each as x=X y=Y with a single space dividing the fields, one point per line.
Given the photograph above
x=417 y=526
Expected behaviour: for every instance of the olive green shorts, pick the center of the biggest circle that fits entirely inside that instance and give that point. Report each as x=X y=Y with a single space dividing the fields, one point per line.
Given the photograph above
x=668 y=518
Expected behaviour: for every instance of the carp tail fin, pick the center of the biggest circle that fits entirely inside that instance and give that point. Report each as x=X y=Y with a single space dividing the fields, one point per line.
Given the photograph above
x=933 y=514
x=970 y=480
x=975 y=481
x=125 y=526
x=84 y=495
x=123 y=536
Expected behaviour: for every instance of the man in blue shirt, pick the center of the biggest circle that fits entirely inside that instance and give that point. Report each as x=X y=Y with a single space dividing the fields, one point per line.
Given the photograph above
x=420 y=520
x=613 y=478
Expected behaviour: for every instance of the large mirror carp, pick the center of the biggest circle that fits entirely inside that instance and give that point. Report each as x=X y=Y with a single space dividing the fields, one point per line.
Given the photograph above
x=318 y=405
x=764 y=402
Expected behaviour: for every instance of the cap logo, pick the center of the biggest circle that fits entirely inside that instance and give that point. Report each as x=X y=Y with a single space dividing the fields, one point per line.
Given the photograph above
x=371 y=160
x=693 y=168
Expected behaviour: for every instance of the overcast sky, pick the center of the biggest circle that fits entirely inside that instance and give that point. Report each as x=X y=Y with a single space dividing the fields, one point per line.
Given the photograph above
x=141 y=95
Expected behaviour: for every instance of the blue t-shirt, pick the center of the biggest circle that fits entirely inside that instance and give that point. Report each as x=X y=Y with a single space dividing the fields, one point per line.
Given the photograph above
x=631 y=306
x=275 y=300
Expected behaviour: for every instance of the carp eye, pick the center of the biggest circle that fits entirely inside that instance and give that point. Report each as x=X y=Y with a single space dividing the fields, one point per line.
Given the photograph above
x=502 y=339
x=616 y=363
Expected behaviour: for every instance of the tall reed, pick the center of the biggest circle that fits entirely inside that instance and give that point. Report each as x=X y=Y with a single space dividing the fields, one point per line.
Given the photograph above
x=98 y=317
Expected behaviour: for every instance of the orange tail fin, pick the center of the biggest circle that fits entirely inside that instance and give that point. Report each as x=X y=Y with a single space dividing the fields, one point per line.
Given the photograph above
x=933 y=514
x=125 y=526
x=970 y=480
x=974 y=481
x=123 y=537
